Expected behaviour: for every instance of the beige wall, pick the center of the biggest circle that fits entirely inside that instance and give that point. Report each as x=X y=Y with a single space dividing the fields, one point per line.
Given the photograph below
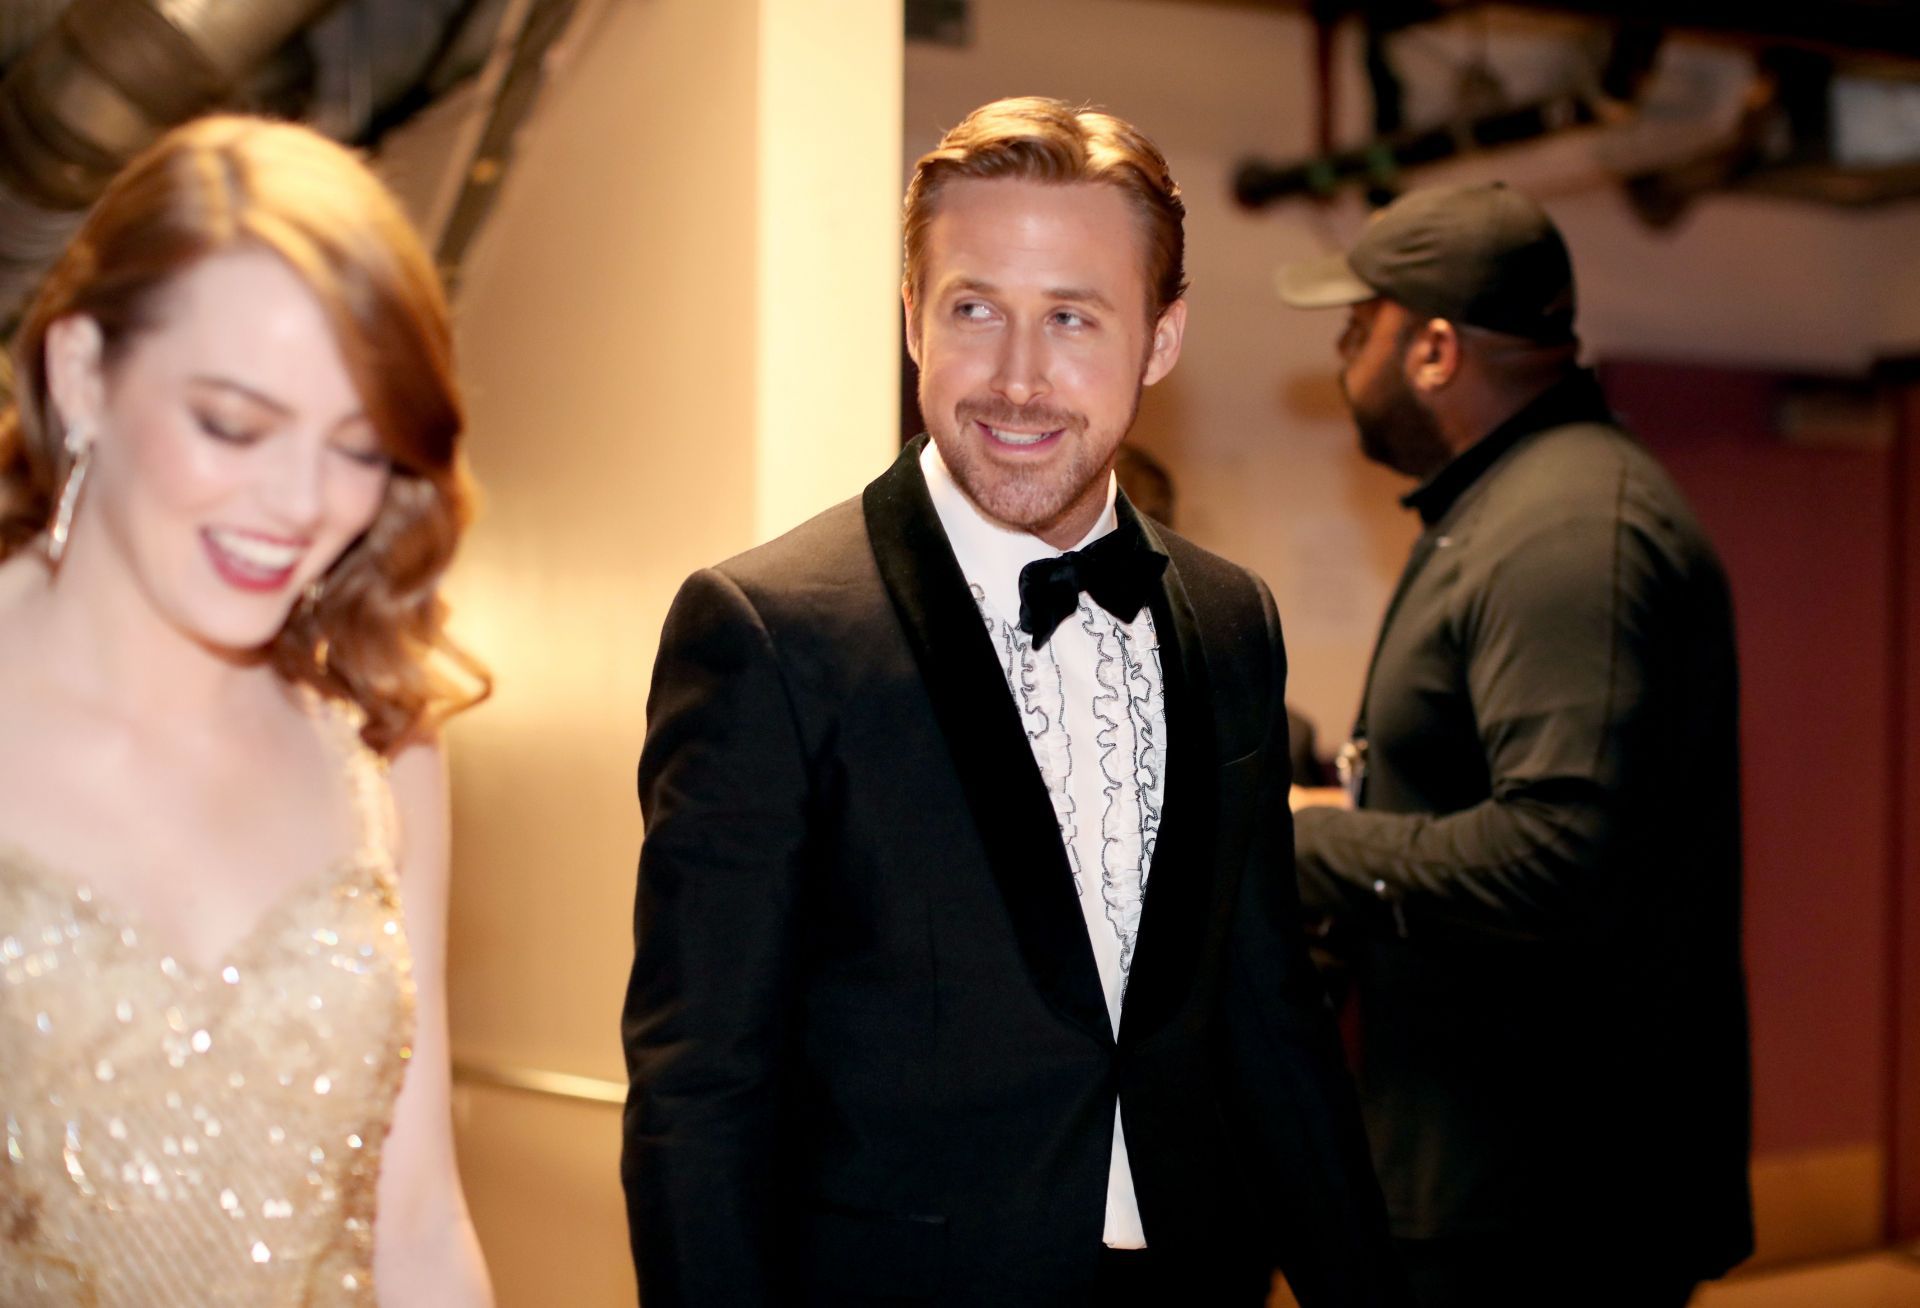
x=1250 y=422
x=677 y=336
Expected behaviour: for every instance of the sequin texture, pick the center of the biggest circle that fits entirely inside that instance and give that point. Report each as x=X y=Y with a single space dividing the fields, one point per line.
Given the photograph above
x=180 y=1137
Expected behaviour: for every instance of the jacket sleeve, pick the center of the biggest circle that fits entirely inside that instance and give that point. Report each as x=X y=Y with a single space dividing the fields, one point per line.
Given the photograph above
x=710 y=1017
x=1292 y=1098
x=1555 y=649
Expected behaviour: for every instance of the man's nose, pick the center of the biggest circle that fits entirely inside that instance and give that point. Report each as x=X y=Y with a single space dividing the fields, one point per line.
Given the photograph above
x=1021 y=376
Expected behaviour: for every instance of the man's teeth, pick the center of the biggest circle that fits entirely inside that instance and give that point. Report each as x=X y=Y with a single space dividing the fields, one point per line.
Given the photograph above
x=265 y=555
x=1019 y=437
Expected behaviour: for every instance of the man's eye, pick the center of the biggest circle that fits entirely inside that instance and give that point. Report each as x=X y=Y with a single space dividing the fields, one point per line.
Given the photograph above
x=1071 y=318
x=971 y=311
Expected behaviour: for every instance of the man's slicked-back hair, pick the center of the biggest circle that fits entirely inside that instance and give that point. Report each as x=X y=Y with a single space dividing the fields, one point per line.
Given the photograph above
x=1036 y=139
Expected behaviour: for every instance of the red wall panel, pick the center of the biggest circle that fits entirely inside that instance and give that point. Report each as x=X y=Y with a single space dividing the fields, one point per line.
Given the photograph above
x=1903 y=1190
x=1807 y=538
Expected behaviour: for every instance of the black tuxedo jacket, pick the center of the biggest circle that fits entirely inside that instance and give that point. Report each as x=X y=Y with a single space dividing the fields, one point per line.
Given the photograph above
x=870 y=1060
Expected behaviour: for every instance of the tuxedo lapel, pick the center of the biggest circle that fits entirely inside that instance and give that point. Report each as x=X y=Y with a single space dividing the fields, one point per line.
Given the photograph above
x=1174 y=918
x=1011 y=810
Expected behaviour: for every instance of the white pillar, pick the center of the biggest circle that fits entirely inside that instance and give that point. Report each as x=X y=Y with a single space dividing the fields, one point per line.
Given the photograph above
x=829 y=287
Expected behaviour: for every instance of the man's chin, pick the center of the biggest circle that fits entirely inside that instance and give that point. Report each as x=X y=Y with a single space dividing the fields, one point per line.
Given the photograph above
x=1013 y=510
x=1021 y=498
x=1010 y=502
x=1418 y=462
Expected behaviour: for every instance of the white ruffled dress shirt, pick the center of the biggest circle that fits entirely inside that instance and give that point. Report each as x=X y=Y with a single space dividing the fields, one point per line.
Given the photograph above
x=1094 y=705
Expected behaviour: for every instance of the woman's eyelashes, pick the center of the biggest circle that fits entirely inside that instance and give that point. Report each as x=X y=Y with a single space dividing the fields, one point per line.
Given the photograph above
x=367 y=456
x=230 y=431
x=227 y=430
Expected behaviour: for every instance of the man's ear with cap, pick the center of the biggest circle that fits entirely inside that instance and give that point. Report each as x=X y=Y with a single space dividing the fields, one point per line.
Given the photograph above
x=1432 y=356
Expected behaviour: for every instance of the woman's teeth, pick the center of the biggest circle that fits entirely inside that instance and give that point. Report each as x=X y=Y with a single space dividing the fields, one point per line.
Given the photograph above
x=268 y=556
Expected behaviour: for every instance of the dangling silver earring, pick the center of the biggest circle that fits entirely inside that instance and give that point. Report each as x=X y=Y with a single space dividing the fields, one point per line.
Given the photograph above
x=62 y=525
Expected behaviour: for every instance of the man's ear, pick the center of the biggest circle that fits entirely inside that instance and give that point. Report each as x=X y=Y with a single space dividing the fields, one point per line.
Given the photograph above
x=913 y=323
x=76 y=373
x=1164 y=352
x=1433 y=355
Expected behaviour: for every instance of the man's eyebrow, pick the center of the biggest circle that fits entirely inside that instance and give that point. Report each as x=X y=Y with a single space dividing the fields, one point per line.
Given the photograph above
x=1071 y=294
x=1080 y=295
x=968 y=286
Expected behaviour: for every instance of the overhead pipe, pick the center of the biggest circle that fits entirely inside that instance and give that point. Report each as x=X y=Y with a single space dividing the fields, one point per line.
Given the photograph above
x=101 y=84
x=22 y=21
x=1377 y=165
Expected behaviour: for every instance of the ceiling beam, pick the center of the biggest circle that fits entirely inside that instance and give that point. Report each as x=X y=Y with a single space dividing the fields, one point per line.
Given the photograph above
x=1885 y=27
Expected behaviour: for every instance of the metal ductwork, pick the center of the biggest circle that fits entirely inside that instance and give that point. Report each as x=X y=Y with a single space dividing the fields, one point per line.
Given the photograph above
x=22 y=22
x=104 y=81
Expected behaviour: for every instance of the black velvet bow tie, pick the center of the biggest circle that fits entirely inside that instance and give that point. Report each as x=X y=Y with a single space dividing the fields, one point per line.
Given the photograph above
x=1119 y=572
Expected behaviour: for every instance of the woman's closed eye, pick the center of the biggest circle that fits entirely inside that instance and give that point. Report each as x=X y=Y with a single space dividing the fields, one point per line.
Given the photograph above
x=367 y=456
x=226 y=429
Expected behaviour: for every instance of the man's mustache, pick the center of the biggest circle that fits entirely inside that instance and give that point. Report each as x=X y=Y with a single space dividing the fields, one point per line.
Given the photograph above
x=1026 y=417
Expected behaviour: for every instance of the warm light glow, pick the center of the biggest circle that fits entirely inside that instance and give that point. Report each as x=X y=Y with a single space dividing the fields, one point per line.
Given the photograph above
x=829 y=257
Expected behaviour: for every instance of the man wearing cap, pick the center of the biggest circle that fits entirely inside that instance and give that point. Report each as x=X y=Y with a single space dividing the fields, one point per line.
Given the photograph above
x=1538 y=885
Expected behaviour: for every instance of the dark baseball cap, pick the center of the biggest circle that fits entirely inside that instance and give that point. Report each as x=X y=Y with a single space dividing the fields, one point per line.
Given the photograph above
x=1485 y=255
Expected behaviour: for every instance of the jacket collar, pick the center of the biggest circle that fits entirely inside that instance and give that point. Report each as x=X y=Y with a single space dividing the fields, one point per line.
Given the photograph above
x=1175 y=919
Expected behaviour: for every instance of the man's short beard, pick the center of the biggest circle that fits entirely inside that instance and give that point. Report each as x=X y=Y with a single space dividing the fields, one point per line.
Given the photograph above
x=1034 y=500
x=1396 y=429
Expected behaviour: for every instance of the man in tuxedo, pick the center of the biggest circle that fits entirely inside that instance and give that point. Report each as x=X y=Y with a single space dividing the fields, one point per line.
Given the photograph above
x=1538 y=890
x=967 y=968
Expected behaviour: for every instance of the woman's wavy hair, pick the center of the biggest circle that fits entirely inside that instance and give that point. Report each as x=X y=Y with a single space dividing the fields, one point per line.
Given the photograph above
x=375 y=636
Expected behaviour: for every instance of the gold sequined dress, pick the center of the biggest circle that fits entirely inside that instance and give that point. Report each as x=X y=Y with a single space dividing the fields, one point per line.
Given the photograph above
x=184 y=1137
